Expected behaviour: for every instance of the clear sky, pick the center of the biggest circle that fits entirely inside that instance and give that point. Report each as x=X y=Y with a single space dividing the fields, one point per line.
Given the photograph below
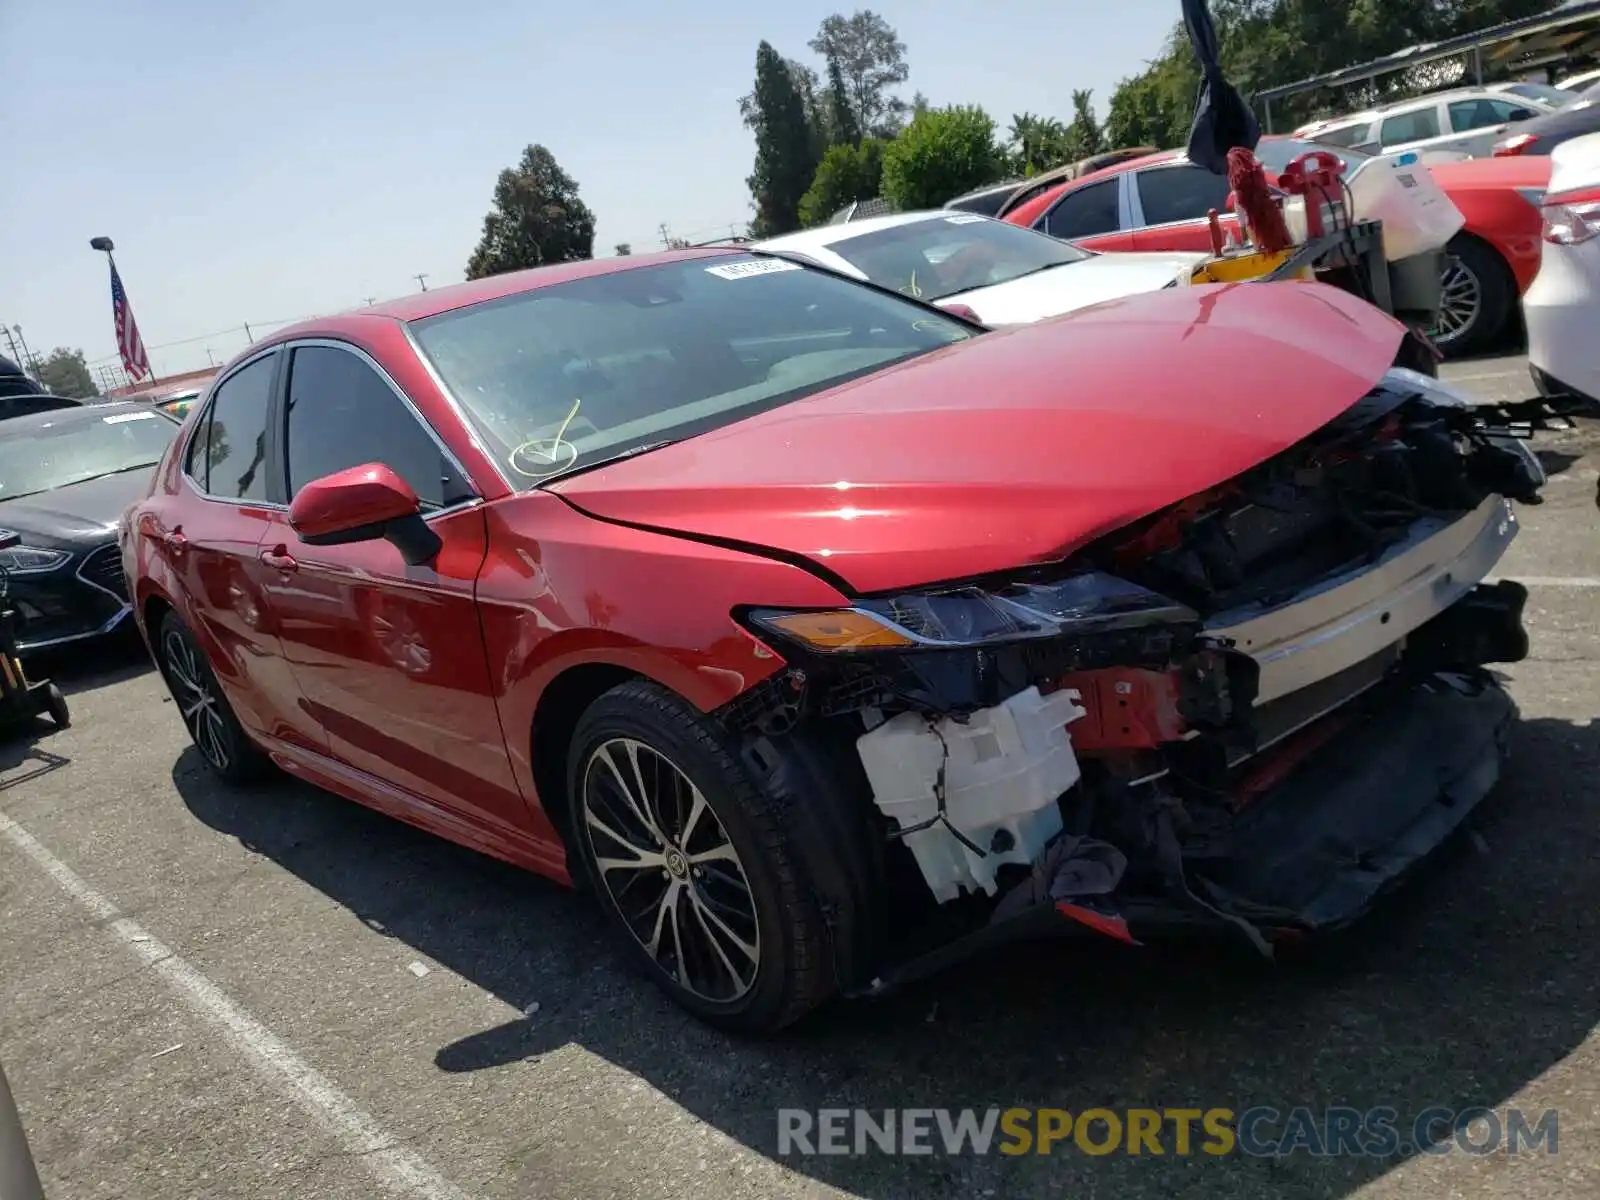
x=266 y=161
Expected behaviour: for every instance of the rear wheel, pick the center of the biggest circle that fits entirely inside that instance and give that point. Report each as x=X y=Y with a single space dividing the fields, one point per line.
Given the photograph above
x=1477 y=294
x=217 y=734
x=699 y=867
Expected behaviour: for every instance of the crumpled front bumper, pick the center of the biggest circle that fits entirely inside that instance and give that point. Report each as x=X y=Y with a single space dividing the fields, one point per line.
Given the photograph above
x=1387 y=783
x=1370 y=804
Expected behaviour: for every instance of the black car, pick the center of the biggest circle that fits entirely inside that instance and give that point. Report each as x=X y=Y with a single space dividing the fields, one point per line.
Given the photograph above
x=66 y=475
x=1543 y=134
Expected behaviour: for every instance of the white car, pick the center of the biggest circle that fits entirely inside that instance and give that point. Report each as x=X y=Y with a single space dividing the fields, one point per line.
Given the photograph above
x=1469 y=120
x=1562 y=308
x=1002 y=273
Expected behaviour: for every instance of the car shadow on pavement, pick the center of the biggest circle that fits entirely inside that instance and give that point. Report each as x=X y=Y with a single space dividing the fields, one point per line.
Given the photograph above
x=1474 y=981
x=89 y=665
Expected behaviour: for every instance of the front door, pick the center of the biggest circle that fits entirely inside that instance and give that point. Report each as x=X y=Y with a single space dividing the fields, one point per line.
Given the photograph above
x=1174 y=205
x=390 y=658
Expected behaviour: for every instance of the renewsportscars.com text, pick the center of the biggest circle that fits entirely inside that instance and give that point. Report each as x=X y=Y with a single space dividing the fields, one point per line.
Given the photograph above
x=1259 y=1131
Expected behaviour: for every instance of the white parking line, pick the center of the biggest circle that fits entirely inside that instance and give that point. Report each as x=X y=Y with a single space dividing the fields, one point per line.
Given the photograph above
x=396 y=1168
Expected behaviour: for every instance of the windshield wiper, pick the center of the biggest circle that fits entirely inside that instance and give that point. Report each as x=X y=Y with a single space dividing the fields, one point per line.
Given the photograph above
x=580 y=467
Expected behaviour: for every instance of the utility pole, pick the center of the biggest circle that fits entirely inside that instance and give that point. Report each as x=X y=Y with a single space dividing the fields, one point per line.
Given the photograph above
x=211 y=356
x=250 y=337
x=666 y=237
x=371 y=300
x=421 y=281
x=12 y=342
x=27 y=355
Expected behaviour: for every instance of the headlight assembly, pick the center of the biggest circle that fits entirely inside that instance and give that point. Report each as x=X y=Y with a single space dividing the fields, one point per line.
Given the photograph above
x=31 y=560
x=1090 y=602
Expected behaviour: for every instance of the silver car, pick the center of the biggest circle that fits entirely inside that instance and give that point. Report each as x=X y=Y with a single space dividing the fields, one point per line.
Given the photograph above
x=1467 y=120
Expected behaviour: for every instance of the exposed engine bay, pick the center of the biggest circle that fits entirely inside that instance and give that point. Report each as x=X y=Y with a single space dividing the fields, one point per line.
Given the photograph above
x=1250 y=712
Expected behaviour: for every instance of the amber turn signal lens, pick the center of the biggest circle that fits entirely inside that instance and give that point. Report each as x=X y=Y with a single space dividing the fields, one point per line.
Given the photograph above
x=842 y=630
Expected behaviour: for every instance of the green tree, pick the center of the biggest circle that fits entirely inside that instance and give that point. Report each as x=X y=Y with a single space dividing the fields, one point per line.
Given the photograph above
x=786 y=151
x=811 y=97
x=1083 y=137
x=845 y=174
x=843 y=128
x=623 y=249
x=537 y=218
x=1036 y=143
x=942 y=153
x=871 y=59
x=64 y=373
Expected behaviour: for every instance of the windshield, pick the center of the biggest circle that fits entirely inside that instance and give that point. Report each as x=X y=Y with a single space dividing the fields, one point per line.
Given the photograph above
x=74 y=446
x=942 y=256
x=573 y=374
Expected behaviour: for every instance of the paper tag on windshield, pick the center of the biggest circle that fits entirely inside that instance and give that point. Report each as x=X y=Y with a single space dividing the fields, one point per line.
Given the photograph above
x=758 y=266
x=123 y=418
x=964 y=219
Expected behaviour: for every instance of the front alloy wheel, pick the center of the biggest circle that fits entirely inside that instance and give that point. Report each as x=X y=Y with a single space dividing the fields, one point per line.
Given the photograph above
x=713 y=861
x=668 y=867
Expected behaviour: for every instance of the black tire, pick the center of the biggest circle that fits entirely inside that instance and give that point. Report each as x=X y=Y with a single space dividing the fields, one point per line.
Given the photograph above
x=222 y=742
x=793 y=942
x=1478 y=295
x=56 y=705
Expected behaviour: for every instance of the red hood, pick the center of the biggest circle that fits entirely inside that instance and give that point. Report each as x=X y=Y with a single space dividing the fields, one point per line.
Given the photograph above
x=1020 y=446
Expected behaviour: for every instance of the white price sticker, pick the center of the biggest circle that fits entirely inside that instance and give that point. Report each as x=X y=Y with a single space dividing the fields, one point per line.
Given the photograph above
x=758 y=266
x=964 y=219
x=124 y=418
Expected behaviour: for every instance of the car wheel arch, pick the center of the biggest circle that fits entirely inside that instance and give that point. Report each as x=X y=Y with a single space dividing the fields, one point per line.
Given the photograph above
x=560 y=706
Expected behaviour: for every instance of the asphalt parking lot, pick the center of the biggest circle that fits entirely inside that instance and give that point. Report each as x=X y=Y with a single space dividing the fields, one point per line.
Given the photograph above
x=209 y=993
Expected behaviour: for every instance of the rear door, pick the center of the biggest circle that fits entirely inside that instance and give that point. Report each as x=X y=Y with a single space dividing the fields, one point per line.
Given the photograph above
x=390 y=657
x=1091 y=215
x=1172 y=204
x=1477 y=124
x=210 y=539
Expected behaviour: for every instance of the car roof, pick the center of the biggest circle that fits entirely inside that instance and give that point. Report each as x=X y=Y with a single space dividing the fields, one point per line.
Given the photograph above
x=75 y=414
x=431 y=303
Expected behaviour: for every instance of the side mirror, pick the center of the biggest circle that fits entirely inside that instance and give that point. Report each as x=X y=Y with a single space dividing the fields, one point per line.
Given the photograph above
x=364 y=504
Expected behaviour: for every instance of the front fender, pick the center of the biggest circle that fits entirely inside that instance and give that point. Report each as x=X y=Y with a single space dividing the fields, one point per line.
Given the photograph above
x=560 y=590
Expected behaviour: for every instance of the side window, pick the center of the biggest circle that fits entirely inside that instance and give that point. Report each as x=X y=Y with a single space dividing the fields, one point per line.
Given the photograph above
x=1086 y=212
x=1413 y=126
x=341 y=413
x=1477 y=114
x=1180 y=193
x=194 y=458
x=233 y=435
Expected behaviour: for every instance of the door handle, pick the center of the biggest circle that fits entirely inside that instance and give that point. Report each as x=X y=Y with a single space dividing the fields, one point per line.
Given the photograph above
x=279 y=559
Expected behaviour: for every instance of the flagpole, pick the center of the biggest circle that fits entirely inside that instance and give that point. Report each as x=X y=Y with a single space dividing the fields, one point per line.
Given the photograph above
x=104 y=244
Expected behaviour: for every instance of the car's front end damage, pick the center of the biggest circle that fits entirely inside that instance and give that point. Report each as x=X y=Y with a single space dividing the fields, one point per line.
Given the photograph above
x=1252 y=711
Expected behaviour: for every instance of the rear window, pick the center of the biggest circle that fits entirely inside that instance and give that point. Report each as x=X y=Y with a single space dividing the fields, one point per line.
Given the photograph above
x=573 y=374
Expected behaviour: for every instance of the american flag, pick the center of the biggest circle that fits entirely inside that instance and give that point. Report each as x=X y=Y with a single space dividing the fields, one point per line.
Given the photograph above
x=129 y=343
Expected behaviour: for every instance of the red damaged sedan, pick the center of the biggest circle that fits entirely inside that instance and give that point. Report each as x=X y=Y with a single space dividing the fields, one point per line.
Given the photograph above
x=827 y=637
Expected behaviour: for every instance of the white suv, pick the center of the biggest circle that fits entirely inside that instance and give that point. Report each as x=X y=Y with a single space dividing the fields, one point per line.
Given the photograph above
x=1469 y=120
